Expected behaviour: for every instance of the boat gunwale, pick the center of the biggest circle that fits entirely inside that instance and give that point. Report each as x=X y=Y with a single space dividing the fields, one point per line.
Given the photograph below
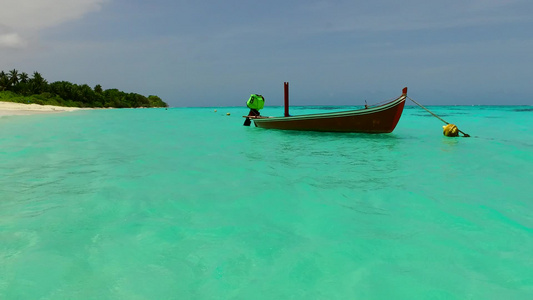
x=338 y=114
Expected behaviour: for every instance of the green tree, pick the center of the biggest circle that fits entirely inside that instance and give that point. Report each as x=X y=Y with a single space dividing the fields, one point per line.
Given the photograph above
x=23 y=77
x=37 y=90
x=14 y=77
x=4 y=81
x=112 y=98
x=86 y=95
x=156 y=101
x=63 y=89
x=98 y=89
x=38 y=84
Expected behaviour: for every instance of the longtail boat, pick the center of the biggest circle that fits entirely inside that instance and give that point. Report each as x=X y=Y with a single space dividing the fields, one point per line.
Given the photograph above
x=371 y=119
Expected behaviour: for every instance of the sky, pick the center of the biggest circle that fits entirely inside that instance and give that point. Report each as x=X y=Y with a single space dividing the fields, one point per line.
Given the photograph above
x=216 y=53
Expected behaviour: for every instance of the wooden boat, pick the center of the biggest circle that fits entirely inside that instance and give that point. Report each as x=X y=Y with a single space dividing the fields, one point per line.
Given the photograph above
x=375 y=119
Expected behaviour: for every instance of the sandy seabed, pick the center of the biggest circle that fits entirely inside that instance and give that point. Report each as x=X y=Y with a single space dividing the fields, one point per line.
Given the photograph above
x=13 y=109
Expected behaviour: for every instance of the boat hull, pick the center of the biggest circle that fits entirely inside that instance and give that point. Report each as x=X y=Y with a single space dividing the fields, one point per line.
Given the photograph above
x=379 y=119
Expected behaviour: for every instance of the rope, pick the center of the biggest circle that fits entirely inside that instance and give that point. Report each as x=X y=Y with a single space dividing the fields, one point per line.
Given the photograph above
x=465 y=134
x=380 y=103
x=428 y=110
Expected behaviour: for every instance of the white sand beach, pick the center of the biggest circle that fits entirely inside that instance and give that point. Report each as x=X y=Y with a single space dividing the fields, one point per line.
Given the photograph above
x=12 y=109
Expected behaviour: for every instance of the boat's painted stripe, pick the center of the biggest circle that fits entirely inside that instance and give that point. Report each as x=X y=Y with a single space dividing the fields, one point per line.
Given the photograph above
x=366 y=111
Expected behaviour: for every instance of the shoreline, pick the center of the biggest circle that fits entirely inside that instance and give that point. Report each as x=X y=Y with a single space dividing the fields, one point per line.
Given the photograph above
x=21 y=109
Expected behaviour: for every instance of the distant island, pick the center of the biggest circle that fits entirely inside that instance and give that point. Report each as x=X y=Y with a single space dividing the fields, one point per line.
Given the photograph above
x=20 y=88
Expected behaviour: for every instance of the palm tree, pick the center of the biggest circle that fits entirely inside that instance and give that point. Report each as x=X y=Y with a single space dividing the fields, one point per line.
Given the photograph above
x=4 y=81
x=23 y=77
x=14 y=76
x=38 y=83
x=22 y=87
x=98 y=89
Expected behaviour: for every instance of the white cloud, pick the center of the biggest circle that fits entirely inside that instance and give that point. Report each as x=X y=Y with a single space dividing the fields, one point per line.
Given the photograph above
x=11 y=40
x=20 y=19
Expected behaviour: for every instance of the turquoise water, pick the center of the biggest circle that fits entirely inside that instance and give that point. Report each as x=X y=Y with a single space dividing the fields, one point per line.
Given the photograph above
x=187 y=203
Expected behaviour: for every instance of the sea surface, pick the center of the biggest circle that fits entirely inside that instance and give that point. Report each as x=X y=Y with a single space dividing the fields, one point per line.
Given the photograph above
x=187 y=203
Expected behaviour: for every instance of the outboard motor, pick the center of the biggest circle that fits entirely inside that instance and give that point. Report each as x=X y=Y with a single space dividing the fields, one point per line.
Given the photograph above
x=255 y=103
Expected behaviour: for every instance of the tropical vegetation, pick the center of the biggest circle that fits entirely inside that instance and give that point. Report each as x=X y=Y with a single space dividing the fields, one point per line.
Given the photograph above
x=18 y=87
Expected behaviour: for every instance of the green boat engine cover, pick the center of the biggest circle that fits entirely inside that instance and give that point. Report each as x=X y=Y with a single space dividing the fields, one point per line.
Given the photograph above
x=255 y=102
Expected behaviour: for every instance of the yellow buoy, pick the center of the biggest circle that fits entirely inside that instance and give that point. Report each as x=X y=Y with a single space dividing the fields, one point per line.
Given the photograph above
x=450 y=130
x=227 y=114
